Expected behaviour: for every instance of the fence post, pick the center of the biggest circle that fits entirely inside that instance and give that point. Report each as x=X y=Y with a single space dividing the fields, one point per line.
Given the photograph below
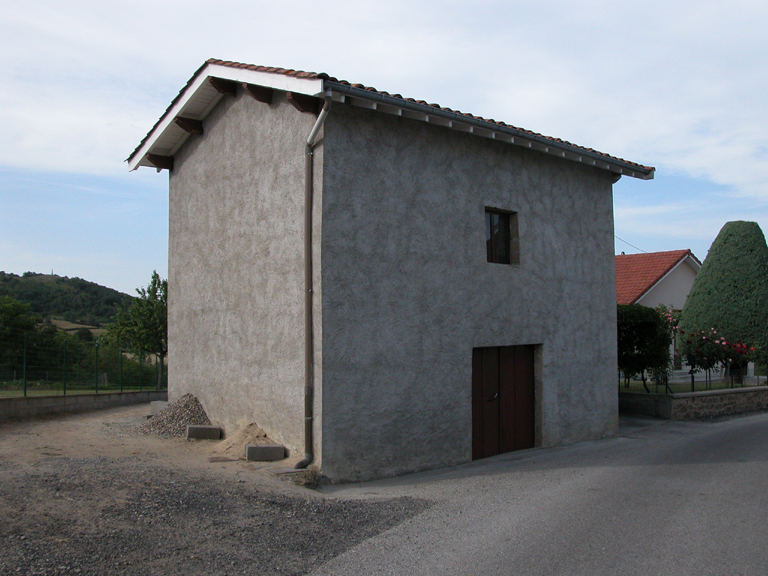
x=96 y=353
x=141 y=368
x=64 y=378
x=120 y=352
x=25 y=366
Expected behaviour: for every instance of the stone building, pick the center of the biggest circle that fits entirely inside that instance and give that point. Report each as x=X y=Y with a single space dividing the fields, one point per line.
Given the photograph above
x=447 y=295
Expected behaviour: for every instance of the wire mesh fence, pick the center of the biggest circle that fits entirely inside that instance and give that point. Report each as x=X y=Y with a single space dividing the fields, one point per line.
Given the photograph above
x=51 y=362
x=700 y=381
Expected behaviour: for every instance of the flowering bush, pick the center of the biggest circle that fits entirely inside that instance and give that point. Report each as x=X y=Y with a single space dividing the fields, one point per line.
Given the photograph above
x=738 y=354
x=703 y=350
x=672 y=319
x=671 y=316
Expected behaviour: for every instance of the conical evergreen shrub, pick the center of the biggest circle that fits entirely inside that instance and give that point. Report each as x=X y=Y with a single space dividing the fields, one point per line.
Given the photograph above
x=730 y=292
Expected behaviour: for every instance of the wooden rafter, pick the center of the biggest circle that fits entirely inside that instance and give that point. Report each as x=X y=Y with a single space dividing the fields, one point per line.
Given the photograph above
x=304 y=103
x=161 y=162
x=259 y=93
x=189 y=125
x=228 y=87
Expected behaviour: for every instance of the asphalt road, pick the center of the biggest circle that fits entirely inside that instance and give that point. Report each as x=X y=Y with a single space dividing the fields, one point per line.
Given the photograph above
x=665 y=498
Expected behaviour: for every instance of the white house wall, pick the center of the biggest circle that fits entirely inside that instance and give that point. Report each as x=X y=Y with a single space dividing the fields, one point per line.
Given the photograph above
x=672 y=290
x=407 y=292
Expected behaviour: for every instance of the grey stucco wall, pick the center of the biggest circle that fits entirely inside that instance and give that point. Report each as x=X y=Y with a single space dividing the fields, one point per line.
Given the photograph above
x=403 y=292
x=407 y=292
x=236 y=268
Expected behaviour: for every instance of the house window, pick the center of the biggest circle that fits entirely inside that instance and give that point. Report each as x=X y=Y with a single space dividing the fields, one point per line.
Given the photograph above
x=501 y=241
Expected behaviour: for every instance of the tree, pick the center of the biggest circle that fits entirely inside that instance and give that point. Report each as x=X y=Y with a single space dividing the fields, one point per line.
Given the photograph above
x=644 y=339
x=15 y=316
x=730 y=292
x=16 y=323
x=142 y=325
x=84 y=335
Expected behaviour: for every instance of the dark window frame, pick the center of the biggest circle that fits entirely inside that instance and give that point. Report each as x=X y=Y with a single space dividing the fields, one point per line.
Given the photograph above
x=501 y=237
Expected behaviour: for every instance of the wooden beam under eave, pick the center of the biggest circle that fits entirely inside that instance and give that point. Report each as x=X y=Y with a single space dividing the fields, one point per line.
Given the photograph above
x=189 y=125
x=260 y=93
x=161 y=162
x=304 y=103
x=227 y=87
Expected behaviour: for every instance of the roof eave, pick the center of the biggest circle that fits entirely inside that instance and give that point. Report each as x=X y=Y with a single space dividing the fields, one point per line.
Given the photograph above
x=197 y=99
x=499 y=132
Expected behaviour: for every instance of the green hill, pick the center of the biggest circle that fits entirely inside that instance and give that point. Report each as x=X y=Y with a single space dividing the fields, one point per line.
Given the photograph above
x=72 y=299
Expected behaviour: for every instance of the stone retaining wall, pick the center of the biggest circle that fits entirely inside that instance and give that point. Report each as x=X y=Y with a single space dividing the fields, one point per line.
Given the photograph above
x=32 y=406
x=695 y=405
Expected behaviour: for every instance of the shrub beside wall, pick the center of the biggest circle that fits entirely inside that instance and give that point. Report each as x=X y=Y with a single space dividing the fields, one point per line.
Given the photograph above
x=644 y=339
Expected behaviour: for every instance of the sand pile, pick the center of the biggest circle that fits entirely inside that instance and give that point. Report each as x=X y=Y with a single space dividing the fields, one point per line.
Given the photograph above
x=234 y=446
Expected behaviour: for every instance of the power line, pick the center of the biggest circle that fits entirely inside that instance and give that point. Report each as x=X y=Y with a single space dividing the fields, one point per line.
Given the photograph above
x=628 y=244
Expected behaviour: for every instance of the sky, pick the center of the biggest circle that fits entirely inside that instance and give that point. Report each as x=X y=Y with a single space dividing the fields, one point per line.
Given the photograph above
x=681 y=86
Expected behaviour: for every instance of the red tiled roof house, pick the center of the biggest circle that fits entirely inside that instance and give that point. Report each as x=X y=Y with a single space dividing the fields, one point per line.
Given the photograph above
x=384 y=285
x=656 y=278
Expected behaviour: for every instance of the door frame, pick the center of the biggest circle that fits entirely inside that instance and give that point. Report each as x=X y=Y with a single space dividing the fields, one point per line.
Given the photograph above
x=504 y=379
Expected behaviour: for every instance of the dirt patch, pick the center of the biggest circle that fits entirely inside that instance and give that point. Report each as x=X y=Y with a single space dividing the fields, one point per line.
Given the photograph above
x=88 y=494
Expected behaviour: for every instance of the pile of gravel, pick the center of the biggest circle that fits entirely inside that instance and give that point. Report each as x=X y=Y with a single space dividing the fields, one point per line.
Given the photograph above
x=174 y=418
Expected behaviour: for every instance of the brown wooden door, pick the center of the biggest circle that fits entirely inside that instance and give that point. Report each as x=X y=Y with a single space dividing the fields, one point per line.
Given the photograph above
x=502 y=400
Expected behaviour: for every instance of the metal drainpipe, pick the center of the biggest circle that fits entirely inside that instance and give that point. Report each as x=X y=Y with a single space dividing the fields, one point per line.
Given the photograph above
x=309 y=344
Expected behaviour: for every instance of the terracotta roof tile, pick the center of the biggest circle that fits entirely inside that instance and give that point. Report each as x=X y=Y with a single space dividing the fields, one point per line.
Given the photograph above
x=638 y=273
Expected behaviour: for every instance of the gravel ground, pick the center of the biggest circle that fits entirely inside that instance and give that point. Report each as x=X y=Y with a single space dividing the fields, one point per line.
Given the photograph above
x=89 y=495
x=174 y=418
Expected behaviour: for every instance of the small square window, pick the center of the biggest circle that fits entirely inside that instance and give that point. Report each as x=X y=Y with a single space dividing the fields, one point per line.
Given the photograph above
x=501 y=241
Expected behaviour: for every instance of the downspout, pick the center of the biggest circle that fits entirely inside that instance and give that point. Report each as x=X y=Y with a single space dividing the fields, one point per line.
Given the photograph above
x=309 y=344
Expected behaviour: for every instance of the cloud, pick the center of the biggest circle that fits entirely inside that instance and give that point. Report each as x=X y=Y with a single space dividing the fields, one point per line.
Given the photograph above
x=649 y=81
x=676 y=85
x=681 y=87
